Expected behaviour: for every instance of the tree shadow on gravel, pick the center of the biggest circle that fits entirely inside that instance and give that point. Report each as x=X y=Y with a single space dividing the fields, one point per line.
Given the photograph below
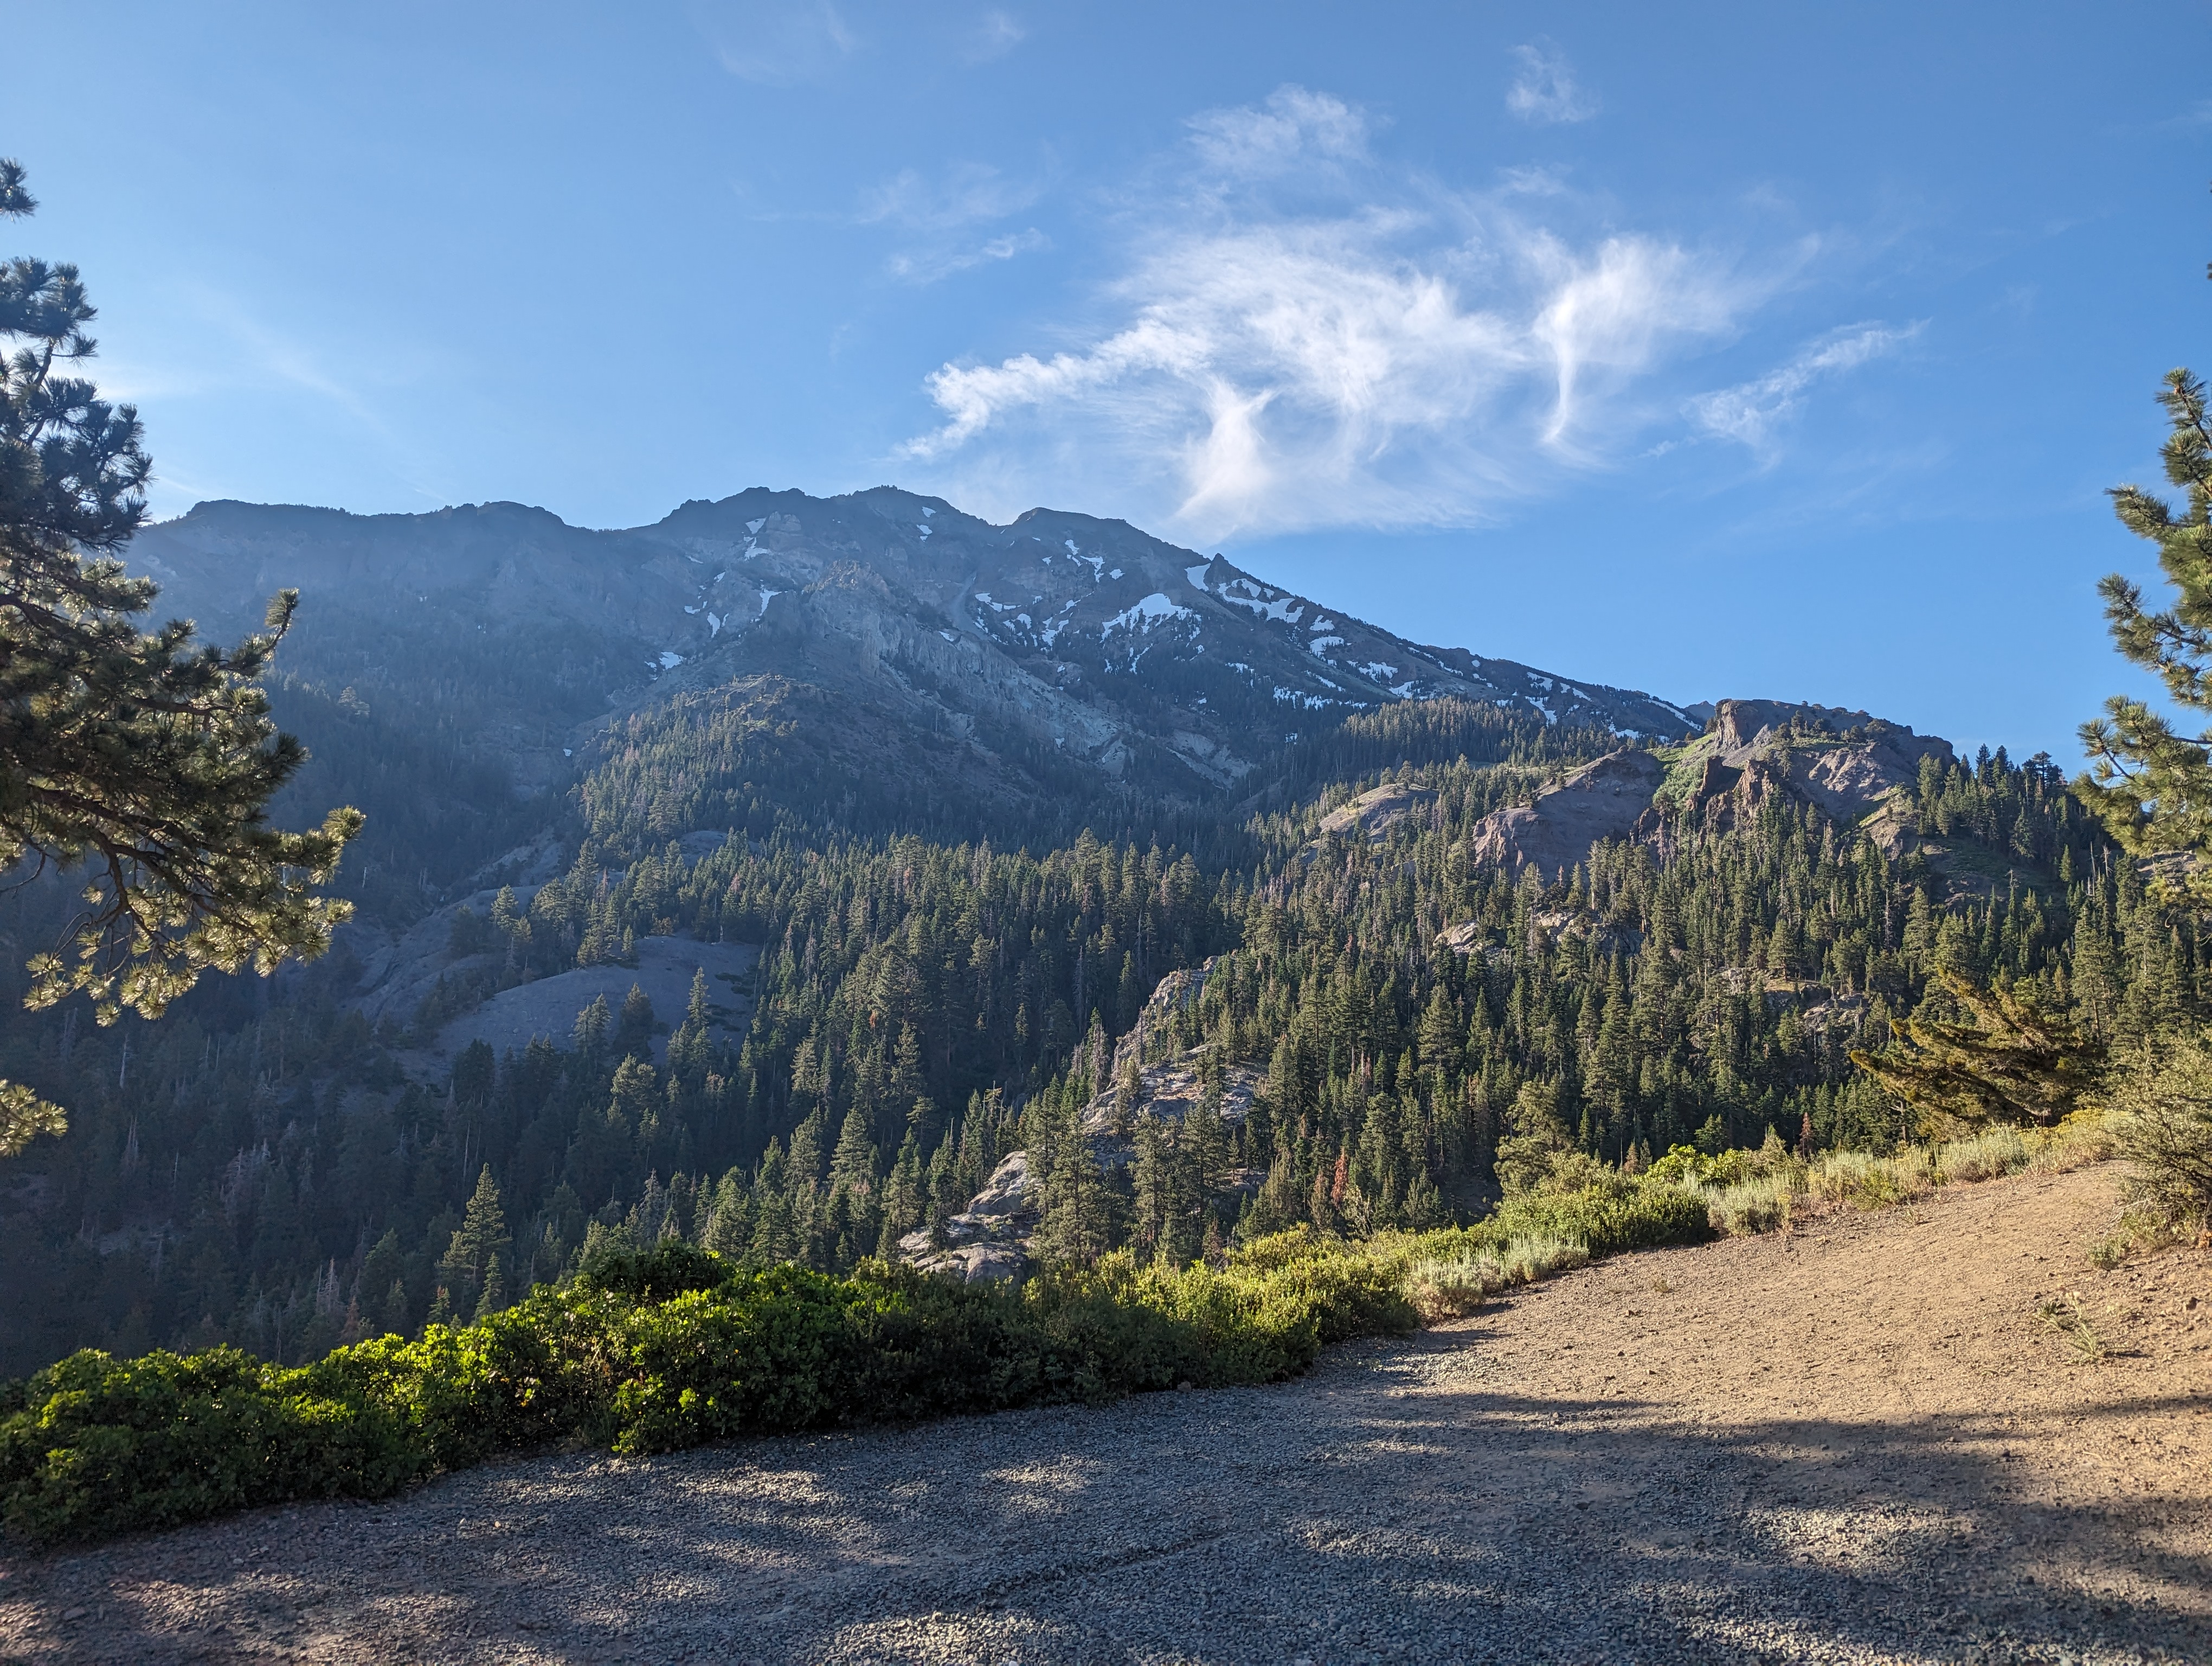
x=1361 y=1514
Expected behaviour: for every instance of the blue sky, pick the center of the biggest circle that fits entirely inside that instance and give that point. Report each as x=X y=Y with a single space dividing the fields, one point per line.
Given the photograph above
x=1720 y=349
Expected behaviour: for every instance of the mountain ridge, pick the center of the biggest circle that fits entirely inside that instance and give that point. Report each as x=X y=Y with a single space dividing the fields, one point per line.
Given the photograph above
x=1151 y=666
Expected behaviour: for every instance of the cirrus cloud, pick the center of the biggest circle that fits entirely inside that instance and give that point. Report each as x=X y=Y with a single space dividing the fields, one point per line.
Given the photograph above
x=1751 y=412
x=1302 y=337
x=1545 y=90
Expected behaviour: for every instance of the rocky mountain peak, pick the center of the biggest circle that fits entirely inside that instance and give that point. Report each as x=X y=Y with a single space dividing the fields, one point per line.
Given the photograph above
x=1060 y=639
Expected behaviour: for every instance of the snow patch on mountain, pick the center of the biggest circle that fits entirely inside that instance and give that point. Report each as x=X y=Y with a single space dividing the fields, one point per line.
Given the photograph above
x=1265 y=601
x=1145 y=614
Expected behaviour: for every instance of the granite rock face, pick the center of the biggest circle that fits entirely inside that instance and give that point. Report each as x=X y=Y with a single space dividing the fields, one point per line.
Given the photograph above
x=1605 y=800
x=1841 y=761
x=1847 y=765
x=991 y=1237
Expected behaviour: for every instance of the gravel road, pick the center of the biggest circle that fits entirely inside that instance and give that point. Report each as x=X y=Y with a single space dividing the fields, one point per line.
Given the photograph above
x=1856 y=1443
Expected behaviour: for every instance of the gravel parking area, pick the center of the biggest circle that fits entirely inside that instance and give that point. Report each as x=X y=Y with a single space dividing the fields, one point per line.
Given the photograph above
x=1855 y=1443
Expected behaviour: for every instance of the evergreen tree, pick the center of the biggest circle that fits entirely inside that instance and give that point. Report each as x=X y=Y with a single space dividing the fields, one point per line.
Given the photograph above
x=1153 y=1187
x=634 y=1030
x=1077 y=1224
x=2150 y=785
x=1535 y=1137
x=2015 y=1063
x=473 y=1260
x=852 y=1164
x=1207 y=1139
x=593 y=1025
x=148 y=760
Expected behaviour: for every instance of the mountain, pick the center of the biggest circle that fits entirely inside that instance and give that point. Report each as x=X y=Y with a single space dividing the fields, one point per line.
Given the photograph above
x=812 y=879
x=1839 y=768
x=984 y=662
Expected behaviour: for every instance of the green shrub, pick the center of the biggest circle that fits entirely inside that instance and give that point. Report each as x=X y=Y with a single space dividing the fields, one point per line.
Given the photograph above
x=1985 y=1156
x=1686 y=1166
x=648 y=1352
x=1749 y=1207
x=2164 y=1128
x=1614 y=1214
x=103 y=1445
x=613 y=1261
x=653 y=1351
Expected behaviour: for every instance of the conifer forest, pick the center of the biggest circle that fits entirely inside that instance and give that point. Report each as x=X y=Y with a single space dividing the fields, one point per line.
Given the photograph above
x=267 y=1166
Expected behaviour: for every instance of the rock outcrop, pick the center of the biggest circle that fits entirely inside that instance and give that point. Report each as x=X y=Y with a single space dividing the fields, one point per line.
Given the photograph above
x=1843 y=761
x=1603 y=800
x=1375 y=811
x=990 y=1239
x=1848 y=765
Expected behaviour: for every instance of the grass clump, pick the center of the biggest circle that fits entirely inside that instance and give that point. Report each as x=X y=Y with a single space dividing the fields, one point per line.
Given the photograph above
x=1868 y=1182
x=1988 y=1155
x=1451 y=1286
x=1759 y=1205
x=1741 y=1192
x=1535 y=1234
x=1753 y=1191
x=2141 y=1230
x=1609 y=1213
x=2066 y=1315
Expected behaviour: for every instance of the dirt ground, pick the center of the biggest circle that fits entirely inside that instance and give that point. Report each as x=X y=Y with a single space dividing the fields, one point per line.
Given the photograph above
x=1860 y=1442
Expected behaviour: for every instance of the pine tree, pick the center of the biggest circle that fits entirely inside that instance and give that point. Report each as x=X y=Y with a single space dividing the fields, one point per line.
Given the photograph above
x=636 y=1096
x=1153 y=1191
x=1207 y=1139
x=728 y=1231
x=2015 y=1063
x=1077 y=1224
x=2150 y=786
x=495 y=1287
x=853 y=1165
x=477 y=1248
x=148 y=760
x=1534 y=1136
x=905 y=1195
x=634 y=1030
x=590 y=1035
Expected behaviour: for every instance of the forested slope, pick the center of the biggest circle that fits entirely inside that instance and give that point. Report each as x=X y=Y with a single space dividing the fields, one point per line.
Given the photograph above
x=265 y=1166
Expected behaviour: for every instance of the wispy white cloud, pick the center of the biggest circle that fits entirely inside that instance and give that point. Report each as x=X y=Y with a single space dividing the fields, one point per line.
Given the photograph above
x=995 y=35
x=965 y=195
x=940 y=209
x=1751 y=412
x=1297 y=130
x=1276 y=356
x=776 y=42
x=929 y=268
x=1545 y=89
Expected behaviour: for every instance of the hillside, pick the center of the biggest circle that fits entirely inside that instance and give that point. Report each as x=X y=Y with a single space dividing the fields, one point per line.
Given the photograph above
x=1856 y=1443
x=776 y=876
x=1043 y=659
